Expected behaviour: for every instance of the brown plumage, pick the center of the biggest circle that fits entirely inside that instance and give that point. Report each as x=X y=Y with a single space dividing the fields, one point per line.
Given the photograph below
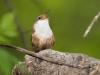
x=38 y=45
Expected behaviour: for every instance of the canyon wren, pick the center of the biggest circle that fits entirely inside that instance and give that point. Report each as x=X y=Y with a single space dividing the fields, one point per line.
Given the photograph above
x=42 y=36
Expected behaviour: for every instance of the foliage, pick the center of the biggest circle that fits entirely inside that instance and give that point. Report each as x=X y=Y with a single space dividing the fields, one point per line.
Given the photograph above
x=7 y=30
x=6 y=61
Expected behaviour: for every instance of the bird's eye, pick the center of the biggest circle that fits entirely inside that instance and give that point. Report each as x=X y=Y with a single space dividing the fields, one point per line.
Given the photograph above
x=39 y=18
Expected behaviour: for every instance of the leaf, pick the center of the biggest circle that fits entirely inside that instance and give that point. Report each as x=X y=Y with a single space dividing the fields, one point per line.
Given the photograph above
x=6 y=20
x=7 y=27
x=6 y=60
x=9 y=33
x=3 y=39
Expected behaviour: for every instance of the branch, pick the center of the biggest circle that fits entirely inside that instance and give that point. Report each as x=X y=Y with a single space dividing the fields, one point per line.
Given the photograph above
x=50 y=62
x=91 y=24
x=27 y=31
x=17 y=23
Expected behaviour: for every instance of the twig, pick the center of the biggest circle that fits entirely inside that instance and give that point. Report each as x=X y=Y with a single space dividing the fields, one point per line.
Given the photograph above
x=91 y=24
x=29 y=53
x=18 y=48
x=17 y=23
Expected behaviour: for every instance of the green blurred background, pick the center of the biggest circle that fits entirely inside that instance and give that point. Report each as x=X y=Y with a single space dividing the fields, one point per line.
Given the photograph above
x=70 y=20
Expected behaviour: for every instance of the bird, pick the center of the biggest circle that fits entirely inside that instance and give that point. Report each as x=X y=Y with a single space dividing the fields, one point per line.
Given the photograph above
x=42 y=36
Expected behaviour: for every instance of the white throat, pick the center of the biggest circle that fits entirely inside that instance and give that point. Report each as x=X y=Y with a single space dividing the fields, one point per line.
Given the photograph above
x=42 y=29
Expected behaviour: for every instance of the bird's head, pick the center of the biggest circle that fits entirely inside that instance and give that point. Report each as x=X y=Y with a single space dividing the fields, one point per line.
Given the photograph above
x=42 y=17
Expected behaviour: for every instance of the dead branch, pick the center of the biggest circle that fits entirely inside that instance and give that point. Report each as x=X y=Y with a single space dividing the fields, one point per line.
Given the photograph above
x=50 y=62
x=17 y=23
x=91 y=24
x=27 y=31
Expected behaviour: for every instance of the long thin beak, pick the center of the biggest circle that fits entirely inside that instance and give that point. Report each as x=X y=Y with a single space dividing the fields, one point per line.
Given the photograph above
x=44 y=15
x=47 y=12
